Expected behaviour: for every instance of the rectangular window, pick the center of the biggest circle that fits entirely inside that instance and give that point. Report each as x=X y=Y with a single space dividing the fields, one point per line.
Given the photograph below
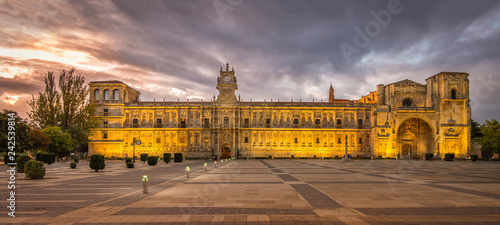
x=105 y=124
x=104 y=135
x=206 y=121
x=158 y=121
x=226 y=120
x=339 y=121
x=268 y=121
x=106 y=112
x=360 y=122
x=295 y=121
x=183 y=123
x=247 y=121
x=317 y=122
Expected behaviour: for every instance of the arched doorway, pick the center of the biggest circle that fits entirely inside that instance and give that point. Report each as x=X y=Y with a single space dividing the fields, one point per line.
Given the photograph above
x=225 y=152
x=414 y=139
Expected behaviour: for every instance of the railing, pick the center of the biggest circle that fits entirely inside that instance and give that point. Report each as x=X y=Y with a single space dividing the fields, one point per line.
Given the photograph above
x=158 y=125
x=416 y=108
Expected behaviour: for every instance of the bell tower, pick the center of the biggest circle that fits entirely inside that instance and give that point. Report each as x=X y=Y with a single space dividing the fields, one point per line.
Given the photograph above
x=331 y=95
x=226 y=84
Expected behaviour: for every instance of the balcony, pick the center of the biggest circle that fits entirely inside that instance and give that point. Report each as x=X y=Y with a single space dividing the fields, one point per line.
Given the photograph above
x=135 y=125
x=317 y=126
x=415 y=108
x=158 y=125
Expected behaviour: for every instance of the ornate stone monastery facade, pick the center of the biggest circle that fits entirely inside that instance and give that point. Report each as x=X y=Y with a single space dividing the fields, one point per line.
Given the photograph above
x=400 y=120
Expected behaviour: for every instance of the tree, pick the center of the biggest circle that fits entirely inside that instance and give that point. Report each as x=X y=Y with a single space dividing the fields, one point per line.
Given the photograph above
x=491 y=136
x=40 y=140
x=46 y=106
x=61 y=142
x=68 y=107
x=21 y=132
x=474 y=128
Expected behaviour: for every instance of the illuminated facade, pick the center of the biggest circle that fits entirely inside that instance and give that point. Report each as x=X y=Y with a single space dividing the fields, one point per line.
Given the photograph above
x=402 y=119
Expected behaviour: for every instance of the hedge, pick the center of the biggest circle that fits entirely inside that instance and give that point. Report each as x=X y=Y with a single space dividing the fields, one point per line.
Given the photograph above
x=177 y=157
x=429 y=156
x=130 y=165
x=34 y=170
x=72 y=165
x=144 y=157
x=128 y=160
x=474 y=158
x=167 y=157
x=21 y=160
x=97 y=162
x=45 y=157
x=153 y=160
x=6 y=158
x=449 y=157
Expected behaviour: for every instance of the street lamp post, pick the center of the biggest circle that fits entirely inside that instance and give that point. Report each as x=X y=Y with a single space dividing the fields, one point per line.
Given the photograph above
x=133 y=149
x=136 y=142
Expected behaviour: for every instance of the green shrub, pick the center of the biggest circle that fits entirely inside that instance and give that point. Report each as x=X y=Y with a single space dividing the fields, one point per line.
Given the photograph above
x=474 y=158
x=128 y=160
x=72 y=165
x=429 y=156
x=153 y=160
x=34 y=170
x=21 y=160
x=167 y=157
x=130 y=165
x=449 y=157
x=77 y=160
x=144 y=157
x=177 y=157
x=6 y=159
x=97 y=162
x=45 y=157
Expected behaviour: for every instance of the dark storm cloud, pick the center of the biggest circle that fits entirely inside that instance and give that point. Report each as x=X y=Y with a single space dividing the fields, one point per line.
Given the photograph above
x=280 y=48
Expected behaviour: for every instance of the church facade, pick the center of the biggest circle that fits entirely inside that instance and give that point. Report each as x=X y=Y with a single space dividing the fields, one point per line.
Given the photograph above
x=405 y=119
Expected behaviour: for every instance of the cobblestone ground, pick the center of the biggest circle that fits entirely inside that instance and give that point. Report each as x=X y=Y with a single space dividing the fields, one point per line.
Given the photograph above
x=262 y=192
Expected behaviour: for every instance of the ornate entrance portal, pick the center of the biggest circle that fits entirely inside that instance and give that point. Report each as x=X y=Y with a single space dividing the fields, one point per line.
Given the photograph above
x=415 y=138
x=226 y=152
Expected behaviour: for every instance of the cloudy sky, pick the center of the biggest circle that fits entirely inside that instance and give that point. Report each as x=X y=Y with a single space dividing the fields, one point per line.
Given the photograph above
x=279 y=48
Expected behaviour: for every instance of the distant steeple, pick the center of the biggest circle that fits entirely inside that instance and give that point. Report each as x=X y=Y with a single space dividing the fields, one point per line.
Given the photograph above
x=331 y=95
x=227 y=66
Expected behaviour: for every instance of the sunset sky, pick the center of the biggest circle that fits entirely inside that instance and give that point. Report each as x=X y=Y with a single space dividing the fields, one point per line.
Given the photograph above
x=280 y=49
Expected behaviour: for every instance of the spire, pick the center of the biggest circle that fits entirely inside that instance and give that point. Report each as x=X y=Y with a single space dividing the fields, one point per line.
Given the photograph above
x=227 y=66
x=331 y=95
x=221 y=68
x=233 y=68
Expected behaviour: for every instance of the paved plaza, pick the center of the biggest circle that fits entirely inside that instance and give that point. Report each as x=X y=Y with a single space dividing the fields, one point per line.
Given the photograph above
x=262 y=192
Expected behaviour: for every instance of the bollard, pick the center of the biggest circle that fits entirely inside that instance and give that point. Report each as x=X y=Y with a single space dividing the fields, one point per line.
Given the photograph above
x=215 y=164
x=145 y=184
x=205 y=166
x=187 y=172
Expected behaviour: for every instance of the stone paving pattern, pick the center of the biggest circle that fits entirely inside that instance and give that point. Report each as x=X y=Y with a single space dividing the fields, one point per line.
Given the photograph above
x=262 y=192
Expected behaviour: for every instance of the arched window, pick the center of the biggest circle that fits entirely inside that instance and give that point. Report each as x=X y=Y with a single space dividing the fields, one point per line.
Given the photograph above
x=97 y=95
x=453 y=94
x=339 y=141
x=246 y=139
x=116 y=95
x=361 y=140
x=296 y=140
x=158 y=140
x=406 y=102
x=106 y=95
x=317 y=140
